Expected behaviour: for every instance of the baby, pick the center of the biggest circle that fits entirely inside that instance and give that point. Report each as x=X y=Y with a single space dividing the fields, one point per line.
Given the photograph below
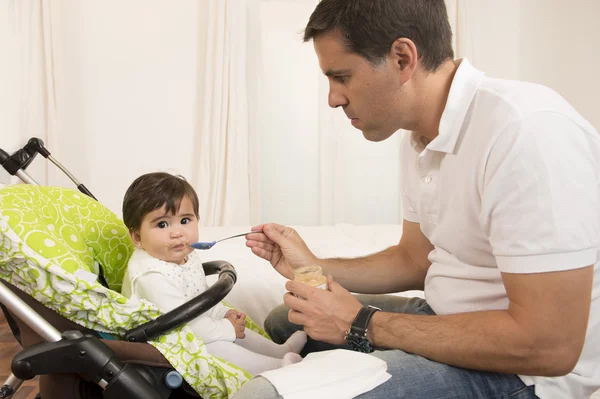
x=161 y=212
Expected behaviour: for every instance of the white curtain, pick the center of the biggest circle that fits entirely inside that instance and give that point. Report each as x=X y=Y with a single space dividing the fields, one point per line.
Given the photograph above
x=224 y=165
x=28 y=102
x=488 y=33
x=148 y=86
x=461 y=28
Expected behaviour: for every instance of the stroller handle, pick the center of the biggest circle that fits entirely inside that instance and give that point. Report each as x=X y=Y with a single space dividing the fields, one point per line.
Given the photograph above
x=191 y=309
x=16 y=163
x=3 y=156
x=12 y=164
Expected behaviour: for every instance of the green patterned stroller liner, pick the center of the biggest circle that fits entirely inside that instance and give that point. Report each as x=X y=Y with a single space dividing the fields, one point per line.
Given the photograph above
x=49 y=234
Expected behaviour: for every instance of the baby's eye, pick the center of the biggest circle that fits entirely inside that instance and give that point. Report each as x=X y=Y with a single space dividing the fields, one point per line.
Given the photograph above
x=185 y=220
x=162 y=225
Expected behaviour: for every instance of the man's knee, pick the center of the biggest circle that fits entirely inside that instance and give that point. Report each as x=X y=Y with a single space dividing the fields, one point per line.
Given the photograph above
x=258 y=387
x=414 y=376
x=278 y=326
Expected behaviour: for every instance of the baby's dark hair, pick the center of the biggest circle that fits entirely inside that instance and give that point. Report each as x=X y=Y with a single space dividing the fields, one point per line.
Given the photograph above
x=152 y=191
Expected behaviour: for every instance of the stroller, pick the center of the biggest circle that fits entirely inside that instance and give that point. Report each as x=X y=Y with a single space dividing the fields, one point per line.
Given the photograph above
x=62 y=259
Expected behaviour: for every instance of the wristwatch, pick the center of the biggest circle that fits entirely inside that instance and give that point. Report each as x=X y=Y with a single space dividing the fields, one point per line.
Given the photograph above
x=356 y=336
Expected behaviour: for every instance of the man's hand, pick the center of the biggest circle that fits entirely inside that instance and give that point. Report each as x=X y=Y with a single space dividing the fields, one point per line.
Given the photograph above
x=238 y=320
x=325 y=315
x=281 y=246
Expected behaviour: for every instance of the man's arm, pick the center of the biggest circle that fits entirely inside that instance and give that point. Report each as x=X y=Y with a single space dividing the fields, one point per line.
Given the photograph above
x=401 y=267
x=398 y=268
x=541 y=333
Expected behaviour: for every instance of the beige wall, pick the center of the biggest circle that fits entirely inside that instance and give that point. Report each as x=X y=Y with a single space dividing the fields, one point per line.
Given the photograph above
x=552 y=42
x=560 y=47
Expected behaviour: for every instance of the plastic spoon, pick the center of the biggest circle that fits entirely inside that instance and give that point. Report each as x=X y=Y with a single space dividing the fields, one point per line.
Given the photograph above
x=209 y=245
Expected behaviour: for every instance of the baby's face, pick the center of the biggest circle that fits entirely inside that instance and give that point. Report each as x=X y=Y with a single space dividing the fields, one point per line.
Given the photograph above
x=167 y=236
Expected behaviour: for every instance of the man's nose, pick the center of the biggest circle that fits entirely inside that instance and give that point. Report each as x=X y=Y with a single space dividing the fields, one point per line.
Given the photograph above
x=336 y=99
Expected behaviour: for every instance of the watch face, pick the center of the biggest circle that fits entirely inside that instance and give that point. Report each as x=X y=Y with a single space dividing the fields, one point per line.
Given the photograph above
x=358 y=343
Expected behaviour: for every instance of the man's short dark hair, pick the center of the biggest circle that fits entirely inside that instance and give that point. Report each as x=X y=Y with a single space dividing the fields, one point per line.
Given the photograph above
x=153 y=190
x=369 y=27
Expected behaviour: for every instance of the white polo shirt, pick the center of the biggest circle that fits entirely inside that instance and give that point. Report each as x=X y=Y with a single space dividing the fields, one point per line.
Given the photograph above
x=511 y=184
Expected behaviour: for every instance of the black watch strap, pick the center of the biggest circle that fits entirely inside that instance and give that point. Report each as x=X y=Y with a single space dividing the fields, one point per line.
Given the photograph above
x=361 y=322
x=356 y=337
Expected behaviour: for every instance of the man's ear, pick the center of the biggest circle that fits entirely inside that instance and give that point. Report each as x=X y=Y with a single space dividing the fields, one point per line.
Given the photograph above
x=404 y=55
x=136 y=238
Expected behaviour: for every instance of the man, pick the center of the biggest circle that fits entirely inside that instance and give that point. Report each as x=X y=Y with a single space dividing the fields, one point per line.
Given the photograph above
x=501 y=188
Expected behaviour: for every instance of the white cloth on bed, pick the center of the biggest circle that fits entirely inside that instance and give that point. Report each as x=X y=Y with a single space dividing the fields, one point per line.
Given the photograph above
x=355 y=373
x=169 y=285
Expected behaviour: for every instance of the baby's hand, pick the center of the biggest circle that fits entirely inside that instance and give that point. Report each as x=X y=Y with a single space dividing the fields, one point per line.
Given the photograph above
x=242 y=317
x=239 y=315
x=238 y=323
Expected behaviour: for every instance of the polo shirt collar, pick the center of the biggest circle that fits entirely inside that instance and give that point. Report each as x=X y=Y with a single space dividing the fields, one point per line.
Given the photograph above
x=462 y=92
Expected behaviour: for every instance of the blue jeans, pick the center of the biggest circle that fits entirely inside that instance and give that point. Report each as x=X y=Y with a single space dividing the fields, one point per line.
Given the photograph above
x=412 y=376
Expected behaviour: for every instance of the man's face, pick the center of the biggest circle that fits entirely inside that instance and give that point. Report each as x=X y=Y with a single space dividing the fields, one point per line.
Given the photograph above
x=368 y=95
x=167 y=236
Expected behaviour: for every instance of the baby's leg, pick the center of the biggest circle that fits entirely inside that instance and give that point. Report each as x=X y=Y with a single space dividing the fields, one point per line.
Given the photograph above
x=253 y=363
x=259 y=344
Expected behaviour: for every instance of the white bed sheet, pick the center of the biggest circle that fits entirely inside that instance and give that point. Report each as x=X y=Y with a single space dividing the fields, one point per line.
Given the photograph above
x=260 y=288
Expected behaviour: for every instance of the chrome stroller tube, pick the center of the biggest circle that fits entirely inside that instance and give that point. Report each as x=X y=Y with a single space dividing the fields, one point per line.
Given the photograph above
x=28 y=315
x=36 y=146
x=35 y=321
x=65 y=170
x=10 y=387
x=12 y=383
x=25 y=178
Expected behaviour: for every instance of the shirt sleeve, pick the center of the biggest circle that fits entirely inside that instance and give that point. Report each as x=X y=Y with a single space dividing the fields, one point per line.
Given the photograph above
x=155 y=288
x=218 y=311
x=540 y=205
x=408 y=210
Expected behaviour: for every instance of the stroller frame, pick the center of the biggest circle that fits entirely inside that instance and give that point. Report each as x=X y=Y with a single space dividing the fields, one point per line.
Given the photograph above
x=86 y=355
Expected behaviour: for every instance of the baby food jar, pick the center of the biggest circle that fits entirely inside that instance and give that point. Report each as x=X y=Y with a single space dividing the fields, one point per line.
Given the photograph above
x=311 y=275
